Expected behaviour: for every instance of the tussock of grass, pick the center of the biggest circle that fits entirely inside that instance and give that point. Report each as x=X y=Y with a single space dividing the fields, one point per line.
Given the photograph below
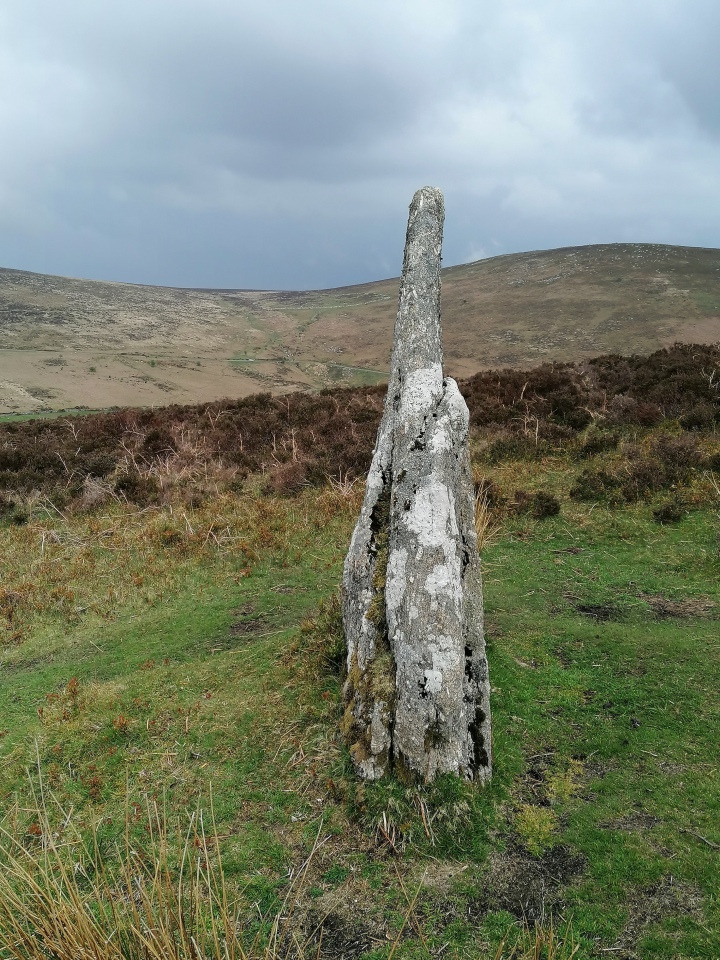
x=65 y=894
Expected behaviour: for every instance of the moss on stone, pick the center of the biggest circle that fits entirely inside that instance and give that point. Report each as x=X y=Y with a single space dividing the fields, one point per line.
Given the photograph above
x=376 y=683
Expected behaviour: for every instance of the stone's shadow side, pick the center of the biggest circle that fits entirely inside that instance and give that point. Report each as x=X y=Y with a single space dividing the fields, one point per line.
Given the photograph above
x=417 y=694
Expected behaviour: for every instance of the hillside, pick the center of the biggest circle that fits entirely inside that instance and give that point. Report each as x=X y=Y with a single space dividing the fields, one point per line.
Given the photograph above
x=65 y=342
x=171 y=682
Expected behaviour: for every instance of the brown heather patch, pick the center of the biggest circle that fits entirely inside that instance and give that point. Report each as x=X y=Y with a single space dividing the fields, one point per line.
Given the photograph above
x=146 y=457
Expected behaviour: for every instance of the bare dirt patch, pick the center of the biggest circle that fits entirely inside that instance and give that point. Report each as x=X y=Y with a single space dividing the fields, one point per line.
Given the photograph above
x=528 y=887
x=333 y=928
x=664 y=608
x=634 y=822
x=596 y=611
x=243 y=630
x=651 y=905
x=249 y=627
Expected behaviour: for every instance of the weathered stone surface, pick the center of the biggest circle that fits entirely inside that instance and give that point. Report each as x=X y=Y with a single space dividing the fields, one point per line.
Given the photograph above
x=417 y=692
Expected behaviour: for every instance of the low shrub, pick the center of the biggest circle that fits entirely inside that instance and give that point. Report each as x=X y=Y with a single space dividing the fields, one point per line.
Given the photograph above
x=679 y=455
x=517 y=447
x=545 y=505
x=593 y=484
x=598 y=440
x=671 y=511
x=646 y=414
x=288 y=478
x=713 y=462
x=638 y=476
x=138 y=489
x=700 y=417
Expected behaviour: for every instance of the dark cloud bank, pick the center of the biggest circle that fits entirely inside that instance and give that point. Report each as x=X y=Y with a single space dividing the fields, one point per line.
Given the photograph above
x=229 y=144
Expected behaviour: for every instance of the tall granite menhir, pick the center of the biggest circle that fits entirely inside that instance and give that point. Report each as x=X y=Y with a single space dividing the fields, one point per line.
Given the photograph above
x=417 y=695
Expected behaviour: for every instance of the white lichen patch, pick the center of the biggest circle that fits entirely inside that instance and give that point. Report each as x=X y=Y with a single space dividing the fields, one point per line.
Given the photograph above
x=421 y=391
x=396 y=581
x=456 y=406
x=433 y=681
x=452 y=423
x=431 y=517
x=445 y=657
x=441 y=440
x=443 y=583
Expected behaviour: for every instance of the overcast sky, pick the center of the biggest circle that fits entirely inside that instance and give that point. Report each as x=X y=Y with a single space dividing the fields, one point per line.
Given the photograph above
x=277 y=144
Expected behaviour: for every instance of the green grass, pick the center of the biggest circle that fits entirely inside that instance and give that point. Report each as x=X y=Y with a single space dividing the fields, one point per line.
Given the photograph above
x=180 y=662
x=48 y=414
x=709 y=303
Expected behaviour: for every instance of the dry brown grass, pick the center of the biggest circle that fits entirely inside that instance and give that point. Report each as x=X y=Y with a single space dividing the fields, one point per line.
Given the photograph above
x=65 y=567
x=61 y=897
x=486 y=527
x=540 y=943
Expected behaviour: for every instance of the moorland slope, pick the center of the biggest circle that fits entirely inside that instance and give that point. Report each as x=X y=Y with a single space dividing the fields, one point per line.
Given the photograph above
x=66 y=342
x=170 y=647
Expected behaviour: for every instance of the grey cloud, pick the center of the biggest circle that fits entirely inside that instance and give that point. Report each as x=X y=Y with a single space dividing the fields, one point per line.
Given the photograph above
x=227 y=144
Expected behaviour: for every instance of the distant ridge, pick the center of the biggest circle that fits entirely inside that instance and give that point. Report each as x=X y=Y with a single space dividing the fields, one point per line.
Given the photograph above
x=67 y=342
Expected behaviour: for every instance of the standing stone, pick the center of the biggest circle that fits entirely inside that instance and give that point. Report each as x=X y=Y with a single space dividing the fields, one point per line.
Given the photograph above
x=417 y=695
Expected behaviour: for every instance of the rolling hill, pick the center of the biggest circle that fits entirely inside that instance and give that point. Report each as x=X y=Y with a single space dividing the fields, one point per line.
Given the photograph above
x=67 y=342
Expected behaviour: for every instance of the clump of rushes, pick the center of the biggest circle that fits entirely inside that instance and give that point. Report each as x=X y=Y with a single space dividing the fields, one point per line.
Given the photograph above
x=61 y=897
x=487 y=529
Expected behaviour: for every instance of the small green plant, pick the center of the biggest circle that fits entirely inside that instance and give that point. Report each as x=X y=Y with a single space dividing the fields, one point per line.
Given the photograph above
x=563 y=785
x=336 y=874
x=536 y=827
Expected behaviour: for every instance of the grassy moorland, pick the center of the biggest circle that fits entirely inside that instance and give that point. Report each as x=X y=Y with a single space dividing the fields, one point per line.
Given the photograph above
x=170 y=682
x=66 y=342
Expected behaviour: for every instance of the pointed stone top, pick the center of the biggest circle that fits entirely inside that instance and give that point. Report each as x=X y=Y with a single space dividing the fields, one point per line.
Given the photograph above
x=430 y=199
x=417 y=342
